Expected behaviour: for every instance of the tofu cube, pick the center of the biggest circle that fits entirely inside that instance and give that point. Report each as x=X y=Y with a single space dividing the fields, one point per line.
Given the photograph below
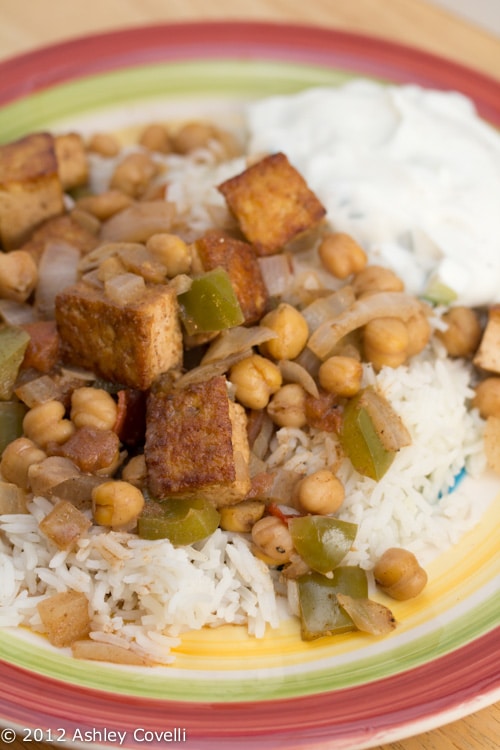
x=72 y=160
x=30 y=188
x=272 y=203
x=131 y=343
x=488 y=354
x=216 y=249
x=196 y=443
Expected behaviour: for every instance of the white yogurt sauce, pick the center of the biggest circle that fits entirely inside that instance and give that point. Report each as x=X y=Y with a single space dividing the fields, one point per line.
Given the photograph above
x=412 y=174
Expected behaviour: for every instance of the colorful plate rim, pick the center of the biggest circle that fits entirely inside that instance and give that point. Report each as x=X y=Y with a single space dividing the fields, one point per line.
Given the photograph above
x=457 y=682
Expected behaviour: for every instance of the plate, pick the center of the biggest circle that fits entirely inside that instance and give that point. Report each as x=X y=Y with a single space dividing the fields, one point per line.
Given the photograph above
x=346 y=693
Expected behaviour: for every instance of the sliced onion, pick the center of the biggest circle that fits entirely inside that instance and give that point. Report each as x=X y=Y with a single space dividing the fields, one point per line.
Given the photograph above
x=328 y=306
x=139 y=222
x=180 y=283
x=236 y=340
x=378 y=305
x=293 y=372
x=38 y=391
x=367 y=615
x=124 y=289
x=309 y=361
x=277 y=273
x=57 y=270
x=17 y=313
x=260 y=438
x=210 y=370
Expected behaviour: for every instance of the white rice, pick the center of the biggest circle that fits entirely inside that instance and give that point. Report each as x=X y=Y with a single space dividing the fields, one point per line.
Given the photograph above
x=141 y=594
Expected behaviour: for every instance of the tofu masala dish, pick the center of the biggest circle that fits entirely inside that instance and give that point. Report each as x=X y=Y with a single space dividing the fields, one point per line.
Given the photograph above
x=145 y=365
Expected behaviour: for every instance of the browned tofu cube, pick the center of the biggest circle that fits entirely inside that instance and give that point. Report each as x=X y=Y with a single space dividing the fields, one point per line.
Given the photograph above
x=488 y=355
x=131 y=343
x=30 y=188
x=272 y=203
x=196 y=443
x=72 y=160
x=65 y=524
x=65 y=617
x=60 y=229
x=218 y=249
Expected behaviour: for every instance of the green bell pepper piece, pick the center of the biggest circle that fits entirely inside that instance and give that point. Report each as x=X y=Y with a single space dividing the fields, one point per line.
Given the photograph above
x=320 y=612
x=372 y=433
x=322 y=541
x=182 y=521
x=13 y=344
x=210 y=304
x=11 y=422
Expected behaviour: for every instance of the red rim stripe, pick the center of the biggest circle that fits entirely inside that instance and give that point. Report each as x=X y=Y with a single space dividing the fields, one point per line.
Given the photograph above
x=49 y=66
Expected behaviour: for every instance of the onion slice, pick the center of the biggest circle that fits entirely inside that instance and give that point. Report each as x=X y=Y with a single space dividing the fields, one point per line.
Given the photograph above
x=139 y=222
x=378 y=305
x=57 y=270
x=293 y=372
x=236 y=340
x=367 y=615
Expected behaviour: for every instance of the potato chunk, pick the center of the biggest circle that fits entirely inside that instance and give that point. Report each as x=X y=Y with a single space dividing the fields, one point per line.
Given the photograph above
x=64 y=525
x=130 y=344
x=217 y=249
x=30 y=188
x=196 y=443
x=65 y=617
x=272 y=203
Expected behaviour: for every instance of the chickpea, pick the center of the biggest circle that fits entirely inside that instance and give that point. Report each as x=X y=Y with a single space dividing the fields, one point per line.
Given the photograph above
x=117 y=504
x=255 y=379
x=341 y=375
x=156 y=138
x=133 y=174
x=463 y=333
x=271 y=536
x=171 y=251
x=487 y=398
x=287 y=408
x=291 y=329
x=17 y=459
x=18 y=275
x=93 y=407
x=45 y=424
x=104 y=144
x=135 y=471
x=399 y=574
x=341 y=255
x=191 y=136
x=242 y=516
x=321 y=493
x=376 y=279
x=386 y=342
x=419 y=333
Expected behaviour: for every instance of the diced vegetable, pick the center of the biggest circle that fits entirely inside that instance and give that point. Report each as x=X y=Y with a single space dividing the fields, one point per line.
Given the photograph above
x=210 y=304
x=438 y=293
x=64 y=525
x=11 y=422
x=322 y=541
x=13 y=344
x=182 y=521
x=368 y=616
x=320 y=611
x=372 y=433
